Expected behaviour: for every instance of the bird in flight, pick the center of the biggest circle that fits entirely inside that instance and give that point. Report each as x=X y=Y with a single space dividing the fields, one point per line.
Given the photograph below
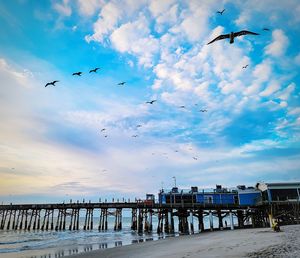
x=94 y=70
x=182 y=107
x=105 y=136
x=266 y=29
x=221 y=12
x=203 y=110
x=150 y=102
x=138 y=126
x=121 y=83
x=77 y=73
x=51 y=83
x=232 y=35
x=134 y=136
x=244 y=67
x=102 y=130
x=194 y=158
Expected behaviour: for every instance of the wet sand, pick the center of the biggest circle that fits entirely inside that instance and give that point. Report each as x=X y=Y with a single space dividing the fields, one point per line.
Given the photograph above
x=258 y=242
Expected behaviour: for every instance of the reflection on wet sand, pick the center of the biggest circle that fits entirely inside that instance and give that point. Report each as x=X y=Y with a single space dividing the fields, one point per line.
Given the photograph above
x=90 y=247
x=118 y=243
x=103 y=246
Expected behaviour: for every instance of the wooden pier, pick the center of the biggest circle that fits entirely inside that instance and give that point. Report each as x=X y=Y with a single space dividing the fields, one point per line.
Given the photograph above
x=66 y=216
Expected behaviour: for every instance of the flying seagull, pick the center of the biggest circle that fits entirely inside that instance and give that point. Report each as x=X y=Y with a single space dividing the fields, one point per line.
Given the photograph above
x=244 y=67
x=138 y=126
x=232 y=35
x=78 y=73
x=94 y=70
x=194 y=158
x=221 y=12
x=203 y=110
x=51 y=83
x=182 y=107
x=134 y=136
x=266 y=29
x=151 y=102
x=102 y=130
x=121 y=83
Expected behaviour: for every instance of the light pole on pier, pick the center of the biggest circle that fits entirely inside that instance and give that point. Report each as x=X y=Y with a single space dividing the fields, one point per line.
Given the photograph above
x=174 y=180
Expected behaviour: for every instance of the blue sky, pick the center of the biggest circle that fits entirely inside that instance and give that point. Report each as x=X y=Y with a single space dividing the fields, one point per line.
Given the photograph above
x=51 y=143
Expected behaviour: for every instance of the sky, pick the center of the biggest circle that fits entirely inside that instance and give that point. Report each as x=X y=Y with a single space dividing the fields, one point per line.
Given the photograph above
x=213 y=122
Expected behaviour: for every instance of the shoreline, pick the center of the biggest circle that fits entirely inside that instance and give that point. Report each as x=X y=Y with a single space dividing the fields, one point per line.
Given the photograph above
x=254 y=242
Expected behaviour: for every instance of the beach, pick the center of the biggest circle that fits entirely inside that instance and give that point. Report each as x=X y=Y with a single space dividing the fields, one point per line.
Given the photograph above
x=255 y=242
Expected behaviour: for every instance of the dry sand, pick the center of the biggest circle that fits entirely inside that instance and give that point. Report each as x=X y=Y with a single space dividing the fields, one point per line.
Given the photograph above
x=258 y=242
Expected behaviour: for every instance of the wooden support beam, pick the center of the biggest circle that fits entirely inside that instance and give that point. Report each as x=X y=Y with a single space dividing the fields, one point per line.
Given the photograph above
x=9 y=218
x=134 y=219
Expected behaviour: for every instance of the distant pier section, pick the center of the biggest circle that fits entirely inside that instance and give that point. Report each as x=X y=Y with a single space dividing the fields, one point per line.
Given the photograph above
x=257 y=206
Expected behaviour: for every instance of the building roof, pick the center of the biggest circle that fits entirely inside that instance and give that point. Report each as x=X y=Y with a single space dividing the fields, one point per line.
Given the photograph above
x=278 y=185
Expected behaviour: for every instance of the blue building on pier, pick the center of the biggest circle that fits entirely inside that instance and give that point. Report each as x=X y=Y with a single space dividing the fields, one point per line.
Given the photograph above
x=241 y=195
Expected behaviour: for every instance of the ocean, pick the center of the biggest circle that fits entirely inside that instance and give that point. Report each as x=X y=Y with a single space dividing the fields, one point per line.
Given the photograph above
x=53 y=244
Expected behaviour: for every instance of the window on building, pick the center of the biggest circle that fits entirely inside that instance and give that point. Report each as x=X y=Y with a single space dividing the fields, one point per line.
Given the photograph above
x=208 y=199
x=284 y=194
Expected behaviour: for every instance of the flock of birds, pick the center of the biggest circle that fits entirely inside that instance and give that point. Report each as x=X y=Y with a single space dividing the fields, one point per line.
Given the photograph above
x=231 y=36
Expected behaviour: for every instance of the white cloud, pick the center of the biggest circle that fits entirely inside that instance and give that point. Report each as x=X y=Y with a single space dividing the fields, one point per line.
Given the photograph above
x=270 y=89
x=231 y=87
x=283 y=104
x=261 y=74
x=169 y=17
x=202 y=90
x=262 y=71
x=285 y=94
x=89 y=7
x=22 y=76
x=257 y=145
x=162 y=71
x=294 y=111
x=135 y=38
x=243 y=18
x=197 y=14
x=268 y=11
x=158 y=7
x=111 y=14
x=63 y=8
x=279 y=45
x=297 y=59
x=157 y=84
x=107 y=21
